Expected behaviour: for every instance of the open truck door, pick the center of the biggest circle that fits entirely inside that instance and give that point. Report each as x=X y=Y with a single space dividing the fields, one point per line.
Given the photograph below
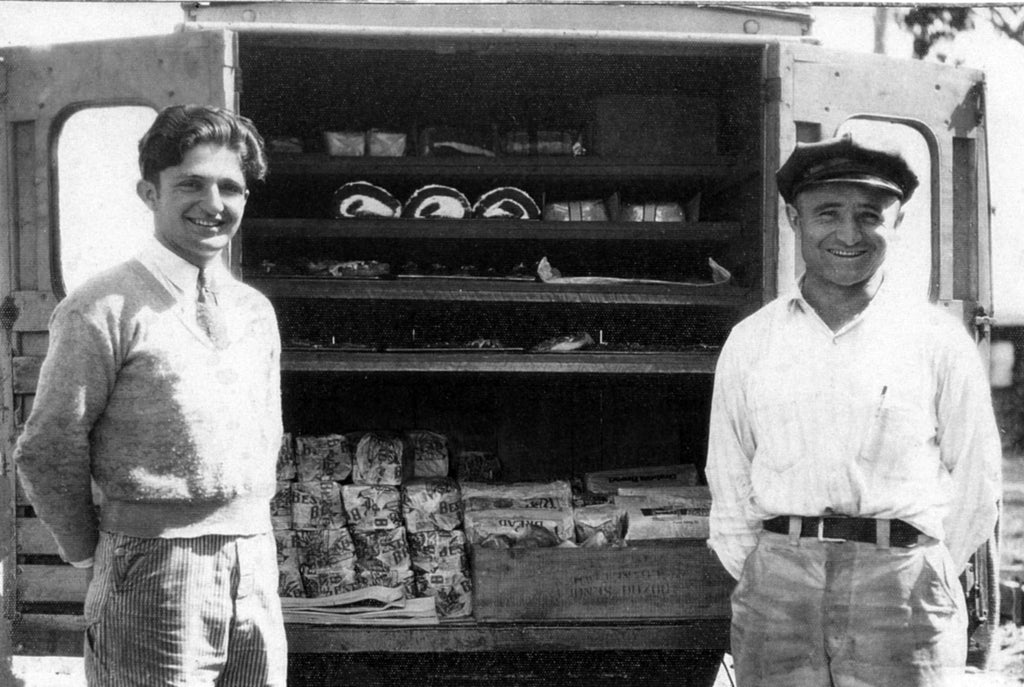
x=937 y=113
x=42 y=92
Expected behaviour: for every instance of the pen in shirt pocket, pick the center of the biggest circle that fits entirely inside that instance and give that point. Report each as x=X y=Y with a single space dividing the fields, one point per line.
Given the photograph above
x=871 y=436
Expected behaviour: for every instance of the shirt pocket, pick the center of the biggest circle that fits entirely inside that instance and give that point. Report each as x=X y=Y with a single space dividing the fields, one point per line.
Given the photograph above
x=895 y=441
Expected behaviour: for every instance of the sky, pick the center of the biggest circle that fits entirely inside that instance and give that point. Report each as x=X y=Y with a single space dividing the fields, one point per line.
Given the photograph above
x=845 y=28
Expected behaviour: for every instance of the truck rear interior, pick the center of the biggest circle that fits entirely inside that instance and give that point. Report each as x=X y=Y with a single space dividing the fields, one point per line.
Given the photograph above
x=679 y=123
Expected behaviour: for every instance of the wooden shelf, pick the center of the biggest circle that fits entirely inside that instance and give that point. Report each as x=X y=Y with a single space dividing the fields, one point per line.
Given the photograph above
x=427 y=362
x=483 y=290
x=498 y=230
x=506 y=169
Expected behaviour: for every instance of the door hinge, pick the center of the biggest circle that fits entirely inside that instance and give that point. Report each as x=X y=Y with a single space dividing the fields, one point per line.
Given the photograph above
x=773 y=89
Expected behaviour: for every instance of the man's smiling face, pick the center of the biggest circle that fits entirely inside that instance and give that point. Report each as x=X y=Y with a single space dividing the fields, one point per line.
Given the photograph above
x=844 y=231
x=198 y=205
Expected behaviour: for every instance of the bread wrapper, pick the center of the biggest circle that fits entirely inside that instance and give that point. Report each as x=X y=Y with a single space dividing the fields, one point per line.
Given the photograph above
x=323 y=457
x=664 y=516
x=321 y=582
x=519 y=528
x=317 y=505
x=576 y=211
x=327 y=549
x=430 y=453
x=611 y=481
x=452 y=591
x=600 y=525
x=371 y=508
x=403 y=578
x=477 y=466
x=524 y=495
x=382 y=459
x=286 y=459
x=438 y=550
x=382 y=551
x=289 y=579
x=652 y=212
x=431 y=503
x=281 y=507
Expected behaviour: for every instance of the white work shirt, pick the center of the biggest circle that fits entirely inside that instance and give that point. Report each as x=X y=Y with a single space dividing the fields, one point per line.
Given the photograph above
x=889 y=417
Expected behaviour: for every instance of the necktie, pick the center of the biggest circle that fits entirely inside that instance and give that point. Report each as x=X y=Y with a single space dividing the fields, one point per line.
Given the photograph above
x=208 y=314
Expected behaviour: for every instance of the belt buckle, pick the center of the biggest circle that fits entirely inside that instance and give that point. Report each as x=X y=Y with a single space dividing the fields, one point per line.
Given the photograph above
x=821 y=533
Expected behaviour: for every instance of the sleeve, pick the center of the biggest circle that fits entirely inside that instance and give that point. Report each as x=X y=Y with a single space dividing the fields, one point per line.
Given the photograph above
x=274 y=423
x=53 y=452
x=970 y=450
x=730 y=452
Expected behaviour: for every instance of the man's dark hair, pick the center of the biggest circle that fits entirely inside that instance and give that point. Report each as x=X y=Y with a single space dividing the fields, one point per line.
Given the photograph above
x=179 y=128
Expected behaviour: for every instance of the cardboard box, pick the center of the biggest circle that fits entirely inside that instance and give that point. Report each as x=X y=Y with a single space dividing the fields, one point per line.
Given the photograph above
x=611 y=481
x=680 y=579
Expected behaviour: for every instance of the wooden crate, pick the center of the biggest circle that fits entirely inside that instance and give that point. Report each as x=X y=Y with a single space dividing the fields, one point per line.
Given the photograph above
x=668 y=579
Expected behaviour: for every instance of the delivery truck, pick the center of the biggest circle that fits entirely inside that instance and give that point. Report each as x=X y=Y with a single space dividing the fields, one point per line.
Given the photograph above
x=526 y=229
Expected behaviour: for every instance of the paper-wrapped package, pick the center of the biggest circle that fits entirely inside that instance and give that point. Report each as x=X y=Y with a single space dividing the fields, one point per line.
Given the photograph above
x=556 y=494
x=477 y=466
x=385 y=143
x=438 y=550
x=610 y=481
x=322 y=457
x=317 y=505
x=345 y=143
x=382 y=459
x=652 y=212
x=519 y=528
x=281 y=507
x=600 y=525
x=286 y=459
x=576 y=211
x=329 y=548
x=319 y=582
x=371 y=508
x=403 y=578
x=452 y=591
x=289 y=578
x=383 y=550
x=430 y=453
x=660 y=516
x=431 y=503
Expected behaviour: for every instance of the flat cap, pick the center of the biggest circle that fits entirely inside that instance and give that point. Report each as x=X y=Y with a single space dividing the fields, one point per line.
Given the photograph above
x=849 y=160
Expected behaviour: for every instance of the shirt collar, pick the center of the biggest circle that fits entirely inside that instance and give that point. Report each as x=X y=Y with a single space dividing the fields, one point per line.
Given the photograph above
x=182 y=274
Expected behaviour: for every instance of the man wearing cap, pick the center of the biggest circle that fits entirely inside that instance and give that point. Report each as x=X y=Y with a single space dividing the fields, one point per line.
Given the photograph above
x=853 y=455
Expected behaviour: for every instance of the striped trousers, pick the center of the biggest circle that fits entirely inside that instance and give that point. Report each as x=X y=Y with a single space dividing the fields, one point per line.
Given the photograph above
x=185 y=612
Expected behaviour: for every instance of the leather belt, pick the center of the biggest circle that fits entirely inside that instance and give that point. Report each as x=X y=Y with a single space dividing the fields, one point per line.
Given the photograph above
x=832 y=528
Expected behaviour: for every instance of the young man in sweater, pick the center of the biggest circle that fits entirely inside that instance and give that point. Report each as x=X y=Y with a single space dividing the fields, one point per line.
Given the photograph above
x=161 y=387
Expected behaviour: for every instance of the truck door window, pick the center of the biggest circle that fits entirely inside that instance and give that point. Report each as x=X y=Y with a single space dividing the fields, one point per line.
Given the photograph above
x=100 y=220
x=910 y=264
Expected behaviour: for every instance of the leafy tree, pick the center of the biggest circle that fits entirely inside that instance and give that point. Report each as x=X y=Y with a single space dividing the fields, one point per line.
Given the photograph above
x=933 y=25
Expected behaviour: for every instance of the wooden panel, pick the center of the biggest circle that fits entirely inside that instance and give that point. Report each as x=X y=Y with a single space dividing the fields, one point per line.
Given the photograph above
x=675 y=580
x=34 y=310
x=26 y=373
x=50 y=583
x=34 y=538
x=25 y=227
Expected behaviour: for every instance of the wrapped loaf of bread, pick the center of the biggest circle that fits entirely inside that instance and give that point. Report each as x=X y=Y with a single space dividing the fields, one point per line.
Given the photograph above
x=281 y=507
x=526 y=495
x=322 y=457
x=611 y=481
x=600 y=525
x=438 y=550
x=289 y=577
x=383 y=550
x=385 y=143
x=371 y=508
x=382 y=459
x=665 y=516
x=431 y=503
x=286 y=459
x=576 y=211
x=506 y=202
x=320 y=583
x=519 y=528
x=317 y=505
x=393 y=579
x=435 y=201
x=328 y=549
x=652 y=212
x=452 y=591
x=430 y=454
x=345 y=143
x=361 y=199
